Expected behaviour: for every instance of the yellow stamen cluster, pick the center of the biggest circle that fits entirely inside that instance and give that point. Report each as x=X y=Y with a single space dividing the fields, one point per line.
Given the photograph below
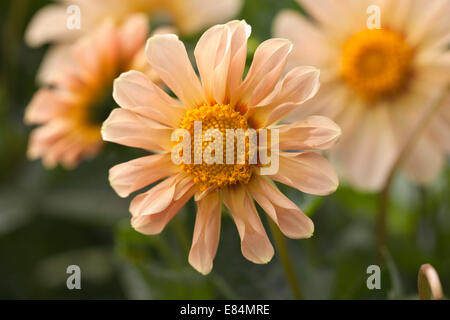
x=376 y=63
x=221 y=117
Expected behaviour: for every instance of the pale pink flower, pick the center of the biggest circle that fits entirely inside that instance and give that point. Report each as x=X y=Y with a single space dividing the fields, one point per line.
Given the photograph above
x=377 y=84
x=148 y=116
x=76 y=99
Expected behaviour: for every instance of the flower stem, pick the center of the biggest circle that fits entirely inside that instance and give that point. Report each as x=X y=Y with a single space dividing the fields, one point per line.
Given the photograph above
x=285 y=257
x=384 y=196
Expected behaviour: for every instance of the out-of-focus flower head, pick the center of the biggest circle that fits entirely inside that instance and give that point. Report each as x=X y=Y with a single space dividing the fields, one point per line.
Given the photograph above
x=189 y=16
x=77 y=95
x=51 y=23
x=378 y=82
x=149 y=118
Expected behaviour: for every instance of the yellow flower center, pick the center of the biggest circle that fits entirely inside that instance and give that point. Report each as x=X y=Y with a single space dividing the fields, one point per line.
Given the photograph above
x=222 y=118
x=376 y=63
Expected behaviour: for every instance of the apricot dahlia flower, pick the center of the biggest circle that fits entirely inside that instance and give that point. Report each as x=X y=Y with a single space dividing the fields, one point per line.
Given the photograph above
x=377 y=83
x=149 y=117
x=75 y=101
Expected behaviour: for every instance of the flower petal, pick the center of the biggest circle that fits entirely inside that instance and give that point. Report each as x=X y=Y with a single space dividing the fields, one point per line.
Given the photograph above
x=136 y=92
x=97 y=56
x=255 y=244
x=206 y=233
x=240 y=33
x=42 y=138
x=167 y=56
x=425 y=161
x=265 y=71
x=369 y=151
x=58 y=143
x=314 y=132
x=54 y=59
x=220 y=55
x=132 y=36
x=45 y=105
x=426 y=21
x=289 y=218
x=308 y=172
x=130 y=129
x=298 y=86
x=49 y=24
x=439 y=126
x=154 y=209
x=212 y=54
x=345 y=19
x=133 y=175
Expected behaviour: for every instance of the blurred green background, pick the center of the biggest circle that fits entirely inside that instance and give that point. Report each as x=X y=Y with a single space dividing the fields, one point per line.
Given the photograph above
x=50 y=219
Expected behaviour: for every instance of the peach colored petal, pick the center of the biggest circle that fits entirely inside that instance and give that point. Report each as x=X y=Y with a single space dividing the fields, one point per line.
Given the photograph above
x=161 y=196
x=212 y=54
x=167 y=56
x=42 y=138
x=140 y=62
x=220 y=55
x=57 y=142
x=240 y=33
x=314 y=132
x=332 y=98
x=48 y=25
x=153 y=210
x=61 y=70
x=54 y=58
x=45 y=105
x=56 y=154
x=308 y=172
x=66 y=149
x=132 y=36
x=133 y=175
x=206 y=233
x=98 y=56
x=265 y=71
x=136 y=92
x=128 y=128
x=289 y=218
x=71 y=149
x=298 y=86
x=255 y=244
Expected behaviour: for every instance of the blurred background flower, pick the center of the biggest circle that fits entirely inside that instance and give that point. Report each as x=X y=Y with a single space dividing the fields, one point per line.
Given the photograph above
x=50 y=219
x=57 y=23
x=189 y=16
x=379 y=83
x=78 y=97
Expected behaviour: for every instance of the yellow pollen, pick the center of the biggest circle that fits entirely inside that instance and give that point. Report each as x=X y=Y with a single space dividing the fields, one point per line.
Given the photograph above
x=376 y=63
x=216 y=175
